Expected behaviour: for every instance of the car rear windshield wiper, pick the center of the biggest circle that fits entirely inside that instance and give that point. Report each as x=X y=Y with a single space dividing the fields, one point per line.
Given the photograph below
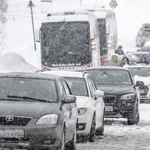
x=27 y=98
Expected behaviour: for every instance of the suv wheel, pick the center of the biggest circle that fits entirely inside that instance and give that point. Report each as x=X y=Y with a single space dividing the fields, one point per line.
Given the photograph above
x=135 y=118
x=100 y=131
x=92 y=133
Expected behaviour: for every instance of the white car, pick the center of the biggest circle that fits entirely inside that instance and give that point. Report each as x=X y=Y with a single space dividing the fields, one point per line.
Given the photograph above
x=142 y=73
x=90 y=104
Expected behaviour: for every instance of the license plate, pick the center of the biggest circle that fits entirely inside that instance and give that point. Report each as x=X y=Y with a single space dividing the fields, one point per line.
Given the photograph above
x=108 y=108
x=141 y=91
x=12 y=133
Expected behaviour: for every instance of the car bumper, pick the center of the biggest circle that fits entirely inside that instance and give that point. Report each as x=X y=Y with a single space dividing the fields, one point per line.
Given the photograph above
x=34 y=138
x=119 y=110
x=144 y=99
x=84 y=123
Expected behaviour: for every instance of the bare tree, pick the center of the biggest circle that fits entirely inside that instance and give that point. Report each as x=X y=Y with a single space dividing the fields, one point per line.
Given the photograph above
x=3 y=10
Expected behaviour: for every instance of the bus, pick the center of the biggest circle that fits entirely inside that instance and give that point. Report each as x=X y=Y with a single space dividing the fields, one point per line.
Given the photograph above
x=106 y=20
x=69 y=40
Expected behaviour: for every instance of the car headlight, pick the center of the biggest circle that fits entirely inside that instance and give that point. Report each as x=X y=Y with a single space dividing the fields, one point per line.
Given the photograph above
x=82 y=111
x=109 y=41
x=51 y=119
x=128 y=97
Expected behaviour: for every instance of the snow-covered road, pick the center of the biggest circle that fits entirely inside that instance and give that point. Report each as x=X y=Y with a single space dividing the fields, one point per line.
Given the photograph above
x=120 y=136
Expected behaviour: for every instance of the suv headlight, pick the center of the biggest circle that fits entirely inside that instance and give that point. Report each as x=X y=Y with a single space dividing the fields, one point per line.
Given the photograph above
x=51 y=119
x=128 y=97
x=82 y=111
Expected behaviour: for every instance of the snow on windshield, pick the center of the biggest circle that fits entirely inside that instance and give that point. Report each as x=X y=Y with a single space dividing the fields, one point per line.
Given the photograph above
x=110 y=77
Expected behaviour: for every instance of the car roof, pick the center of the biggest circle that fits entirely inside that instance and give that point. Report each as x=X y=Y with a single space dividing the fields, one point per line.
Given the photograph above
x=145 y=48
x=28 y=75
x=140 y=66
x=137 y=52
x=106 y=67
x=65 y=73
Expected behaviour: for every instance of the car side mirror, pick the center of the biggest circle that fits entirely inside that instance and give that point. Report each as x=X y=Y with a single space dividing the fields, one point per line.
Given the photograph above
x=107 y=28
x=98 y=93
x=139 y=83
x=92 y=33
x=69 y=99
x=37 y=35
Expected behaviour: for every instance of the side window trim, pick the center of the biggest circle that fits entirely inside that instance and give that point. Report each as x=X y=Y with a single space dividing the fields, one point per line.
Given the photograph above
x=64 y=92
x=64 y=82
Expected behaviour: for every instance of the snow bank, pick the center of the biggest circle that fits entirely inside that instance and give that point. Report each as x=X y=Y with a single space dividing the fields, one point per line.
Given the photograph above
x=12 y=62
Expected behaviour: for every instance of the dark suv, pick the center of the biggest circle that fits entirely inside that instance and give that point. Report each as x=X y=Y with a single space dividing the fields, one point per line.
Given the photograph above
x=121 y=97
x=143 y=35
x=36 y=112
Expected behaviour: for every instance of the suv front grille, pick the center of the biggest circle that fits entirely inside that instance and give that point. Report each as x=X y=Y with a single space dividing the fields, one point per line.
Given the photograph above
x=19 y=121
x=110 y=98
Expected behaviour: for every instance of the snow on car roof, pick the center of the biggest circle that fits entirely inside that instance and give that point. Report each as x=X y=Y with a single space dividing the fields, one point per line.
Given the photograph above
x=137 y=52
x=106 y=67
x=28 y=75
x=65 y=73
x=138 y=65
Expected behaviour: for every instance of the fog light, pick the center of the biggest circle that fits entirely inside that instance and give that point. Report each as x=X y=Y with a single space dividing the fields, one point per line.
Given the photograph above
x=49 y=141
x=129 y=104
x=81 y=126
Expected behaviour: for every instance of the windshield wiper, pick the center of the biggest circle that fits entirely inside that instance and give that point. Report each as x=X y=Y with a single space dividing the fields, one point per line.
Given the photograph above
x=27 y=98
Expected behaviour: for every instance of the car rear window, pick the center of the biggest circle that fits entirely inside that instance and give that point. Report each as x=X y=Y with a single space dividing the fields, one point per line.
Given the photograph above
x=110 y=77
x=27 y=87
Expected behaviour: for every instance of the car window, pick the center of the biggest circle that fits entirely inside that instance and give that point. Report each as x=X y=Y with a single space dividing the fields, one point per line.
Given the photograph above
x=66 y=87
x=110 y=77
x=62 y=91
x=77 y=86
x=91 y=87
x=94 y=86
x=139 y=56
x=28 y=87
x=140 y=71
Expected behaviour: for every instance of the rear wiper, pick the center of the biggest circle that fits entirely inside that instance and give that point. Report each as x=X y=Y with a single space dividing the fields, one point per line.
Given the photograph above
x=27 y=98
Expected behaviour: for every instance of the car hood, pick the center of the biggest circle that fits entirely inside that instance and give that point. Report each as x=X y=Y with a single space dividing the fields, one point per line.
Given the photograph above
x=117 y=90
x=28 y=109
x=83 y=101
x=146 y=80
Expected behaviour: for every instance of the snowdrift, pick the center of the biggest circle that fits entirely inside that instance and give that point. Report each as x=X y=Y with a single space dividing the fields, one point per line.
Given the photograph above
x=12 y=62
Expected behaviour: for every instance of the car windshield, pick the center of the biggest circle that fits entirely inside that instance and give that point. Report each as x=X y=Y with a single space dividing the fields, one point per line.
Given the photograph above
x=139 y=56
x=145 y=33
x=77 y=86
x=110 y=77
x=140 y=71
x=38 y=89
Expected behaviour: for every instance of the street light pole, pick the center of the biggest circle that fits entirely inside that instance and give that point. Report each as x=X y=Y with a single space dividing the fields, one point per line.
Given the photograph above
x=31 y=5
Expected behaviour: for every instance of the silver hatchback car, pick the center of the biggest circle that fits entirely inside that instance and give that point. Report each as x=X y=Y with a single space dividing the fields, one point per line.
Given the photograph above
x=36 y=112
